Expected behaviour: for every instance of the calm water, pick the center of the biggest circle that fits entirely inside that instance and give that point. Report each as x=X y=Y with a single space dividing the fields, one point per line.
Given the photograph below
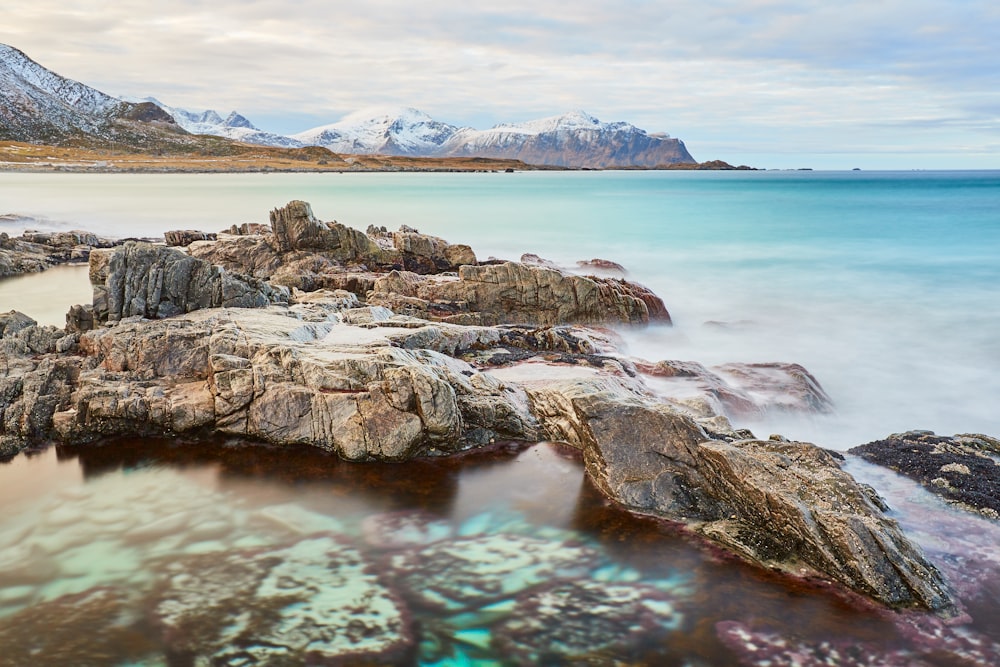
x=884 y=285
x=123 y=517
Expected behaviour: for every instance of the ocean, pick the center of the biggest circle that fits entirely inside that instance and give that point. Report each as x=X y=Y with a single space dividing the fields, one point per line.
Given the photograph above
x=884 y=285
x=167 y=553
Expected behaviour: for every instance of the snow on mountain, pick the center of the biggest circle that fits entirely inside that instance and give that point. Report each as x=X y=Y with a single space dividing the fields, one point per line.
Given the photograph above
x=234 y=126
x=36 y=101
x=574 y=139
x=394 y=131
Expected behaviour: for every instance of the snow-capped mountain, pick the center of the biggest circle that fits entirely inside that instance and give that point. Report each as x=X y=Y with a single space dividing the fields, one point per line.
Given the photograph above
x=234 y=126
x=574 y=139
x=399 y=131
x=39 y=105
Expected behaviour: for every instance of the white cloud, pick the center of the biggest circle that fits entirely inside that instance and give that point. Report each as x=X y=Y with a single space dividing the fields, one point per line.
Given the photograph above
x=789 y=76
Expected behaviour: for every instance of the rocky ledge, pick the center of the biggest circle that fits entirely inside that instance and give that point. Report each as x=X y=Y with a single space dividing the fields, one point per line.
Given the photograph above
x=963 y=469
x=391 y=346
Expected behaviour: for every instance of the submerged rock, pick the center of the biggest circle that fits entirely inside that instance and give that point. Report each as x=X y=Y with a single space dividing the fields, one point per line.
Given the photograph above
x=933 y=643
x=474 y=571
x=91 y=629
x=964 y=468
x=584 y=621
x=313 y=602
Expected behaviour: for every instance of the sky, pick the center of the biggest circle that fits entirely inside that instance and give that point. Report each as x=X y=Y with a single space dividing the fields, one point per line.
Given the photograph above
x=873 y=84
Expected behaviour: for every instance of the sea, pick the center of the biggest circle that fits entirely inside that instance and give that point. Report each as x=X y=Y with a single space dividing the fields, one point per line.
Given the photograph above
x=884 y=285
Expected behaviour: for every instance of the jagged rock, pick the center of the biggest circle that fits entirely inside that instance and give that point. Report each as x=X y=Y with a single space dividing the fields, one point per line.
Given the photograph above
x=313 y=602
x=784 y=504
x=13 y=321
x=601 y=266
x=80 y=318
x=248 y=229
x=155 y=282
x=36 y=251
x=515 y=293
x=295 y=228
x=426 y=254
x=738 y=390
x=961 y=468
x=185 y=237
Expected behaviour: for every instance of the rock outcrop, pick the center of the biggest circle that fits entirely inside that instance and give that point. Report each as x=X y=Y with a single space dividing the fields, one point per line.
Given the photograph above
x=514 y=293
x=964 y=469
x=194 y=349
x=784 y=504
x=155 y=282
x=36 y=251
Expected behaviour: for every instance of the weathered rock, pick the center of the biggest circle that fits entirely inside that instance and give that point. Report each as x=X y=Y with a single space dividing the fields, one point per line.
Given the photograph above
x=601 y=266
x=313 y=602
x=185 y=237
x=738 y=390
x=583 y=621
x=36 y=251
x=473 y=571
x=295 y=228
x=155 y=282
x=80 y=319
x=931 y=643
x=13 y=321
x=964 y=468
x=784 y=504
x=514 y=293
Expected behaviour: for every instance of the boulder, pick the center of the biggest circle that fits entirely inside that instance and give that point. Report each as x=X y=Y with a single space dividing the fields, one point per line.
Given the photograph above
x=787 y=505
x=963 y=469
x=738 y=390
x=185 y=237
x=513 y=293
x=155 y=282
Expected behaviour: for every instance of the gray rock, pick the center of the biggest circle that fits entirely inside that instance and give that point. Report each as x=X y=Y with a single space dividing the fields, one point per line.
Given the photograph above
x=155 y=282
x=185 y=237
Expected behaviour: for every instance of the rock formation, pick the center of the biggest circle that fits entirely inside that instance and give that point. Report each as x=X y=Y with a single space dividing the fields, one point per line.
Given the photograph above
x=36 y=251
x=963 y=468
x=192 y=348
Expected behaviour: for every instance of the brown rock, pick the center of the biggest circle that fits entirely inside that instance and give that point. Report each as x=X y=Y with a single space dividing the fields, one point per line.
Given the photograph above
x=185 y=237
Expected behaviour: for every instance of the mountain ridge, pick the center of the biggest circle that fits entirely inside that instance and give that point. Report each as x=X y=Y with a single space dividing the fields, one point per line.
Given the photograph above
x=38 y=105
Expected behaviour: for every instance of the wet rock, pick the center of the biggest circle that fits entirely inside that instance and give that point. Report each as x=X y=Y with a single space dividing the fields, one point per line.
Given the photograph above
x=933 y=643
x=155 y=282
x=470 y=572
x=584 y=621
x=601 y=266
x=185 y=237
x=786 y=505
x=738 y=390
x=313 y=602
x=404 y=529
x=91 y=629
x=963 y=468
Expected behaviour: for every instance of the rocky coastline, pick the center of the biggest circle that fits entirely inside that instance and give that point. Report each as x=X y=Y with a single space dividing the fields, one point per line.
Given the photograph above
x=394 y=346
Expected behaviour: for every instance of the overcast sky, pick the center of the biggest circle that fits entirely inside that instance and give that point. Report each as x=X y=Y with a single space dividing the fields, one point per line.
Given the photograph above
x=772 y=83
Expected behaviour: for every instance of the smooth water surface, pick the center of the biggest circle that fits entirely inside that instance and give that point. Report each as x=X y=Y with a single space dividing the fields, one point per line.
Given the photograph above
x=125 y=517
x=47 y=296
x=884 y=284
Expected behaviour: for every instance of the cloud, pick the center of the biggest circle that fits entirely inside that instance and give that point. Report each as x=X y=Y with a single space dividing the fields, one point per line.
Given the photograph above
x=791 y=73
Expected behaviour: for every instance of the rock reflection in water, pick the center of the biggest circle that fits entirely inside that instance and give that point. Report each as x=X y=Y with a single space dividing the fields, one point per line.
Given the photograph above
x=156 y=552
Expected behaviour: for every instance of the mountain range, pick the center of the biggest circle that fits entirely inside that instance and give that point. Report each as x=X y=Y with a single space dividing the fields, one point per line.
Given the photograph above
x=40 y=106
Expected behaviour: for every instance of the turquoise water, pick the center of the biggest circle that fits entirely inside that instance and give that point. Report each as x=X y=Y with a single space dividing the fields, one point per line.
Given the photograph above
x=883 y=284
